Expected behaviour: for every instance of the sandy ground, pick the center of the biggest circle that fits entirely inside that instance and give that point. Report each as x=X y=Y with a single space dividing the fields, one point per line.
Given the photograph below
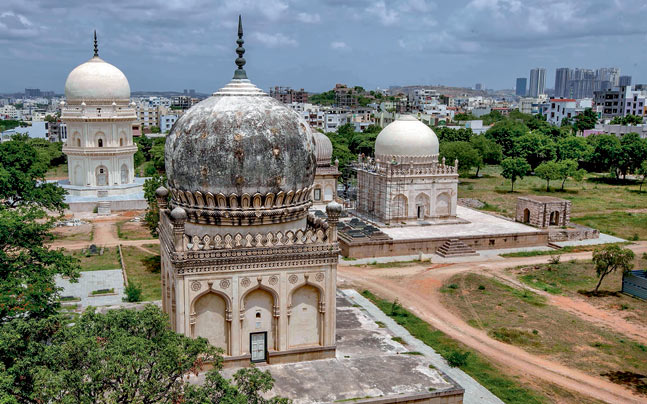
x=417 y=288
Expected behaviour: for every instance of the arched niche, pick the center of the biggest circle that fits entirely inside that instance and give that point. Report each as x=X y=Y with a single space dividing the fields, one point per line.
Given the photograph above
x=102 y=178
x=210 y=319
x=306 y=320
x=443 y=204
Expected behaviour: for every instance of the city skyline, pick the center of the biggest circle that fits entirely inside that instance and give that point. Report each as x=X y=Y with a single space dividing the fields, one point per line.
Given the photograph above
x=172 y=46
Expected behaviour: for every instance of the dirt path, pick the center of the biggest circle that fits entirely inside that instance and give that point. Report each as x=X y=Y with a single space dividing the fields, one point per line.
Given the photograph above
x=105 y=235
x=417 y=288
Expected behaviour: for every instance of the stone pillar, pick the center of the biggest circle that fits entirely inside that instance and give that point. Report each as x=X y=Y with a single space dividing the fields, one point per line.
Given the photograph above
x=161 y=194
x=333 y=210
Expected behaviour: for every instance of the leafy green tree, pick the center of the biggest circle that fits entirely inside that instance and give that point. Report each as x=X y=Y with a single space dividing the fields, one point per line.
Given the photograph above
x=52 y=152
x=642 y=171
x=467 y=155
x=489 y=151
x=22 y=177
x=514 y=168
x=586 y=120
x=535 y=148
x=573 y=148
x=569 y=169
x=157 y=156
x=50 y=118
x=633 y=151
x=155 y=129
x=492 y=117
x=144 y=144
x=505 y=133
x=445 y=134
x=548 y=170
x=627 y=120
x=606 y=153
x=610 y=259
x=464 y=117
x=152 y=215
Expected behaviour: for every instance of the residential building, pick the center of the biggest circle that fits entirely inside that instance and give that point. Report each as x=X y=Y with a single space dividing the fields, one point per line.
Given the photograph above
x=56 y=131
x=166 y=122
x=621 y=101
x=520 y=88
x=288 y=95
x=529 y=105
x=344 y=96
x=537 y=81
x=562 y=76
x=9 y=112
x=565 y=108
x=624 y=81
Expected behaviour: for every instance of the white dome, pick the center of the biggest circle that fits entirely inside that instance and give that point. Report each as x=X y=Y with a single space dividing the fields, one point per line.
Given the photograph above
x=96 y=80
x=323 y=148
x=406 y=136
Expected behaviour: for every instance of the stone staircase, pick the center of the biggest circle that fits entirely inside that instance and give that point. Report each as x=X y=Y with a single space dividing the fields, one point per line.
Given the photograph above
x=455 y=248
x=103 y=208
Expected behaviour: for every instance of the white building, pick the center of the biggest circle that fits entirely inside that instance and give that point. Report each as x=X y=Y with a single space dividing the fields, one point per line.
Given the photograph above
x=565 y=108
x=166 y=122
x=99 y=117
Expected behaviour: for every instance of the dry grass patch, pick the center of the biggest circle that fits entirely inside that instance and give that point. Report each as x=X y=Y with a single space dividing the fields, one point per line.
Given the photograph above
x=142 y=268
x=84 y=232
x=127 y=230
x=522 y=318
x=96 y=262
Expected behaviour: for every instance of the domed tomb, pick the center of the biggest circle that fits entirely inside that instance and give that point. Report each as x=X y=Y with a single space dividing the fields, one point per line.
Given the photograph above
x=406 y=136
x=240 y=152
x=324 y=149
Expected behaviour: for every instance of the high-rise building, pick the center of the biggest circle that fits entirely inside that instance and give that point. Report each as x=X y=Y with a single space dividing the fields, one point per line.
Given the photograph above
x=624 y=81
x=562 y=76
x=478 y=86
x=521 y=86
x=537 y=82
x=32 y=92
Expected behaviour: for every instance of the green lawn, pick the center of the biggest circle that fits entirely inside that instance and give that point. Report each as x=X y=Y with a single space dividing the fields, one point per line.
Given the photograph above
x=143 y=268
x=525 y=319
x=127 y=230
x=627 y=225
x=109 y=259
x=592 y=196
x=57 y=171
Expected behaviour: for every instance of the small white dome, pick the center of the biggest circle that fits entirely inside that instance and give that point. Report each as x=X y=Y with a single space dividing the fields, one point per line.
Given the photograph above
x=96 y=80
x=406 y=136
x=323 y=148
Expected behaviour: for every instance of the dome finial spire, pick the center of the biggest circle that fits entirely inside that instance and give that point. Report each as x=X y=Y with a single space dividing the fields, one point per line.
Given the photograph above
x=240 y=60
x=96 y=46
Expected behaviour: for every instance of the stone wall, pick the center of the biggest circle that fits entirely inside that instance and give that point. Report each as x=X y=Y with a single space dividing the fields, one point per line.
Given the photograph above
x=543 y=211
x=390 y=248
x=573 y=232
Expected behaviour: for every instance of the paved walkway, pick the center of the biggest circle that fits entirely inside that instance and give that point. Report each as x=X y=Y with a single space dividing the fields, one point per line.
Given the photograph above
x=91 y=281
x=474 y=392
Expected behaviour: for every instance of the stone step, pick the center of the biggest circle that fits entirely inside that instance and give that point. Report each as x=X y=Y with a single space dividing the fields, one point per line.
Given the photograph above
x=455 y=248
x=103 y=208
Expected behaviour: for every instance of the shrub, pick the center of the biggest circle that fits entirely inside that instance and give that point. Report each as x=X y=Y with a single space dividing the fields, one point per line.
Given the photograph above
x=456 y=359
x=481 y=287
x=554 y=259
x=452 y=286
x=133 y=292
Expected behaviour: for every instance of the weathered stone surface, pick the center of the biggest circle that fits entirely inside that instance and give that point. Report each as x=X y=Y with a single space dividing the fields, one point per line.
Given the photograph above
x=240 y=141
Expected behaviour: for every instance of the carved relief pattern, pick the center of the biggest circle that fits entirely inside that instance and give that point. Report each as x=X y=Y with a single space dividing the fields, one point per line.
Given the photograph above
x=224 y=284
x=274 y=280
x=245 y=282
x=319 y=276
x=293 y=279
x=195 y=286
x=278 y=239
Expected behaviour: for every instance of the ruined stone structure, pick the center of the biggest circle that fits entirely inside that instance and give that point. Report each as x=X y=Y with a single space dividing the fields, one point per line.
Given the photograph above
x=543 y=211
x=325 y=183
x=100 y=148
x=243 y=263
x=406 y=181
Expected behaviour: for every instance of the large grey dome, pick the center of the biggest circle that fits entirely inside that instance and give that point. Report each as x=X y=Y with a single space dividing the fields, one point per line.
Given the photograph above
x=240 y=141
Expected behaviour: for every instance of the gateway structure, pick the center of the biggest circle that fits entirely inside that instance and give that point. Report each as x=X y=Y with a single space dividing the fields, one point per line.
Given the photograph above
x=243 y=263
x=406 y=181
x=100 y=148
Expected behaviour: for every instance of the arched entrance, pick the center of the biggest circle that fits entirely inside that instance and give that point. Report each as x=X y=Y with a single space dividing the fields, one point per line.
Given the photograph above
x=211 y=320
x=258 y=318
x=124 y=174
x=399 y=207
x=422 y=206
x=554 y=218
x=102 y=176
x=305 y=324
x=526 y=215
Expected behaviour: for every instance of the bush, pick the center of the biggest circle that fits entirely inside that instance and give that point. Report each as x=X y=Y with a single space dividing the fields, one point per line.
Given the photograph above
x=133 y=292
x=452 y=286
x=456 y=359
x=554 y=259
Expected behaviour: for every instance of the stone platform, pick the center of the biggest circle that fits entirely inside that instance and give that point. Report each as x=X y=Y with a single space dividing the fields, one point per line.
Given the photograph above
x=120 y=197
x=479 y=231
x=369 y=367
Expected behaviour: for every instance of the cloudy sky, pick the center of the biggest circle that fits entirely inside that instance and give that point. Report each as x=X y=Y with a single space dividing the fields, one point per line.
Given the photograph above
x=177 y=44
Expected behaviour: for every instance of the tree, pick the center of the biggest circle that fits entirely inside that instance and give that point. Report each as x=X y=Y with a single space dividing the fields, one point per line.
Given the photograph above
x=627 y=120
x=157 y=155
x=505 y=133
x=155 y=129
x=514 y=168
x=534 y=148
x=633 y=151
x=466 y=155
x=642 y=171
x=548 y=170
x=22 y=177
x=573 y=148
x=586 y=120
x=606 y=152
x=152 y=216
x=489 y=151
x=453 y=135
x=464 y=117
x=610 y=259
x=568 y=169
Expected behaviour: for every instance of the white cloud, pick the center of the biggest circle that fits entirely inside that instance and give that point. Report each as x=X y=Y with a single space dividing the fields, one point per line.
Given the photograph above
x=386 y=16
x=309 y=18
x=339 y=45
x=277 y=40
